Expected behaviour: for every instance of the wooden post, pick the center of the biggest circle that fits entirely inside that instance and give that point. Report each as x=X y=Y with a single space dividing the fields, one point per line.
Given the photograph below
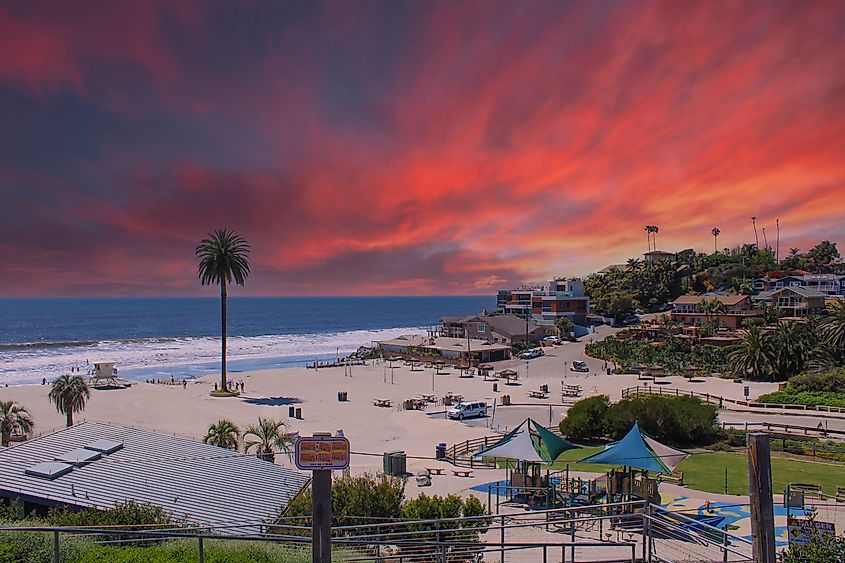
x=321 y=507
x=57 y=552
x=760 y=493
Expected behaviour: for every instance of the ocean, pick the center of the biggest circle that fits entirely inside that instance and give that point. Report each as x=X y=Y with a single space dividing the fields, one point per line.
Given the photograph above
x=159 y=338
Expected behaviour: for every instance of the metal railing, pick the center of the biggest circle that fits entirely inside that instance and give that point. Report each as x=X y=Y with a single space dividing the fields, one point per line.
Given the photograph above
x=643 y=532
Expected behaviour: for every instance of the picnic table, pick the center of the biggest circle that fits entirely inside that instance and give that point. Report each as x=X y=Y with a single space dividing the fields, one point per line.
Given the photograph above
x=428 y=398
x=382 y=402
x=414 y=404
x=570 y=393
x=462 y=473
x=564 y=385
x=538 y=394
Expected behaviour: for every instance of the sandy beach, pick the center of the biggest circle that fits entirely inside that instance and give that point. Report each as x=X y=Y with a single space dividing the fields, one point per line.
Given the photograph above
x=189 y=411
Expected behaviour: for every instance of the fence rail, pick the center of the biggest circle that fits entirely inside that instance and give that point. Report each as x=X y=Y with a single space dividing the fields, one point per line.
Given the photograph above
x=723 y=401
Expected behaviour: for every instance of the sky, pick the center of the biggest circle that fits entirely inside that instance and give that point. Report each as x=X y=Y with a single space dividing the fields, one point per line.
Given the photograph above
x=373 y=148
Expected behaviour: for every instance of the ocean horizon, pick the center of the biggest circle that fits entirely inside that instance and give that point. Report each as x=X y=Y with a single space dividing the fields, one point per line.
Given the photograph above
x=164 y=337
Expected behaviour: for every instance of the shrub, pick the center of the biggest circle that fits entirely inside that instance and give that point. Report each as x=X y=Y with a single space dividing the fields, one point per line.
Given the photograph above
x=426 y=507
x=825 y=388
x=585 y=419
x=129 y=513
x=365 y=496
x=676 y=420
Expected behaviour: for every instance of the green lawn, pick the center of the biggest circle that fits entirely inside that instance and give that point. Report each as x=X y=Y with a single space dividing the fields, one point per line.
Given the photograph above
x=705 y=471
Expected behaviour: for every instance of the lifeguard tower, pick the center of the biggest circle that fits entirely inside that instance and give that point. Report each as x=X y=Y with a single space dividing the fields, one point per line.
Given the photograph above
x=104 y=375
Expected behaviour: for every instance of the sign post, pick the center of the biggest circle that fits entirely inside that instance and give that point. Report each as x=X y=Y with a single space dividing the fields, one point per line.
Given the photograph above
x=322 y=454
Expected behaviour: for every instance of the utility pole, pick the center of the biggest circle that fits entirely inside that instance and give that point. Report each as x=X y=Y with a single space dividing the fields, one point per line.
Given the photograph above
x=760 y=493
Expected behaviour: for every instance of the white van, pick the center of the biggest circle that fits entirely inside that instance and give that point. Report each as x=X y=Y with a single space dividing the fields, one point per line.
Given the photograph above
x=468 y=409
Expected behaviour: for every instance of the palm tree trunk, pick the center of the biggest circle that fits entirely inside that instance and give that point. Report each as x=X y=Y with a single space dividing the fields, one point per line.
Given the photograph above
x=4 y=438
x=223 y=332
x=69 y=415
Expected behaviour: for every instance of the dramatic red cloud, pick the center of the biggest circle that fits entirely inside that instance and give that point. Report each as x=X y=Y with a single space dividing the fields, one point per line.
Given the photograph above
x=401 y=148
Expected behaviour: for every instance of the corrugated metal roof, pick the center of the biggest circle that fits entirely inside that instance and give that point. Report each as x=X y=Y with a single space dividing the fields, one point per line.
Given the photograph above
x=206 y=484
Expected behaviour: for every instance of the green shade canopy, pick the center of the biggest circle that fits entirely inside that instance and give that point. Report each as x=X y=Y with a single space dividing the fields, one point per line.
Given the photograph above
x=529 y=442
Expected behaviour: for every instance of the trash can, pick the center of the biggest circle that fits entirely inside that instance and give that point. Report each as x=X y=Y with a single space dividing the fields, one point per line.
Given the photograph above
x=394 y=463
x=495 y=388
x=399 y=464
x=544 y=388
x=292 y=412
x=506 y=400
x=298 y=413
x=340 y=396
x=345 y=396
x=440 y=452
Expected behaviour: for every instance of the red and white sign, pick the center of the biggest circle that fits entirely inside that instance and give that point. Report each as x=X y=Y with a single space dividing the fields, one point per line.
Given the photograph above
x=322 y=453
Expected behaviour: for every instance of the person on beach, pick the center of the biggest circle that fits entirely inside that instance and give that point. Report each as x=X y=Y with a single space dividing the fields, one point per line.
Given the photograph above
x=43 y=381
x=184 y=384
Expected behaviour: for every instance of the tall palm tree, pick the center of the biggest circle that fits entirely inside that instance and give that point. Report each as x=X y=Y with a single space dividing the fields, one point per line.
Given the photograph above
x=267 y=437
x=647 y=230
x=715 y=232
x=751 y=356
x=224 y=258
x=654 y=230
x=69 y=393
x=14 y=419
x=223 y=433
x=754 y=224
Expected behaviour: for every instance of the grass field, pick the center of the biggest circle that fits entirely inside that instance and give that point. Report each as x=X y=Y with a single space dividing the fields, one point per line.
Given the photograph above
x=705 y=471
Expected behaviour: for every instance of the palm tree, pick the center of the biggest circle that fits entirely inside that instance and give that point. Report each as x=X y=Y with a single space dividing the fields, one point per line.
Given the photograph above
x=654 y=230
x=789 y=345
x=268 y=437
x=793 y=252
x=223 y=260
x=647 y=230
x=715 y=232
x=69 y=393
x=833 y=326
x=14 y=419
x=223 y=433
x=756 y=238
x=751 y=356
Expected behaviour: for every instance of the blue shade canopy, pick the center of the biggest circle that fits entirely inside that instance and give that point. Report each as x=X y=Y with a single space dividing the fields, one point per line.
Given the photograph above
x=530 y=442
x=640 y=451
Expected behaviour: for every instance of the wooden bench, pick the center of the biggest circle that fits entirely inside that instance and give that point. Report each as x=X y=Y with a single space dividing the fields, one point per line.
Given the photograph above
x=382 y=403
x=462 y=473
x=810 y=489
x=538 y=395
x=435 y=470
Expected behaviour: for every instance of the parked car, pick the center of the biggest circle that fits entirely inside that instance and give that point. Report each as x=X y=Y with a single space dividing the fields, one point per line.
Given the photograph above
x=532 y=353
x=553 y=340
x=579 y=366
x=632 y=320
x=468 y=409
x=664 y=308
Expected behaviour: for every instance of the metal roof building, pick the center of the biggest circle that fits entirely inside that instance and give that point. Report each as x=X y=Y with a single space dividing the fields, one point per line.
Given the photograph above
x=96 y=465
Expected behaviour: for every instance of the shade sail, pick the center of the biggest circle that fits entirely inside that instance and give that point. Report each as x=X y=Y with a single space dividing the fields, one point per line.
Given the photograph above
x=530 y=442
x=638 y=450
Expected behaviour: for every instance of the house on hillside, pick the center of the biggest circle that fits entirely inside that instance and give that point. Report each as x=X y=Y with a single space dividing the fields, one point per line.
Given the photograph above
x=687 y=309
x=795 y=301
x=656 y=255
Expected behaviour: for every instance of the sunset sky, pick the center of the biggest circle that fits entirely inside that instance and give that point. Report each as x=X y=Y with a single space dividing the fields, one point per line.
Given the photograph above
x=408 y=147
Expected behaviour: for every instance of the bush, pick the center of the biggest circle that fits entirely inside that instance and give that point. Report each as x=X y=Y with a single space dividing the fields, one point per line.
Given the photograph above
x=129 y=513
x=585 y=419
x=365 y=496
x=426 y=507
x=825 y=388
x=676 y=420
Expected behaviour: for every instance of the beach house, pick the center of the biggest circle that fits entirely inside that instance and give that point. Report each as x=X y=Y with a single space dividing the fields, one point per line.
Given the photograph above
x=794 y=301
x=96 y=465
x=546 y=303
x=690 y=310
